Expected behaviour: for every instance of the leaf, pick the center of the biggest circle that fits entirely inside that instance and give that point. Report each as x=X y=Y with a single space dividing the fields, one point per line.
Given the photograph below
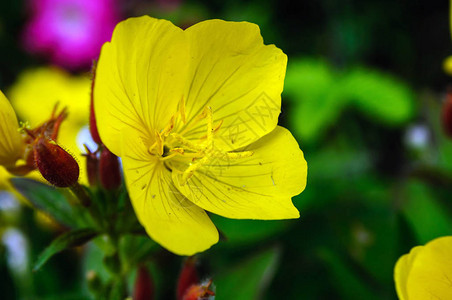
x=307 y=78
x=312 y=85
x=347 y=282
x=314 y=115
x=49 y=200
x=245 y=232
x=427 y=218
x=379 y=95
x=67 y=240
x=248 y=280
x=320 y=94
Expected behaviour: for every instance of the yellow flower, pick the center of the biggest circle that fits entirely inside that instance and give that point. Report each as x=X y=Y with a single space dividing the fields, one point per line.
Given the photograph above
x=17 y=154
x=37 y=91
x=11 y=142
x=447 y=65
x=12 y=146
x=193 y=114
x=426 y=272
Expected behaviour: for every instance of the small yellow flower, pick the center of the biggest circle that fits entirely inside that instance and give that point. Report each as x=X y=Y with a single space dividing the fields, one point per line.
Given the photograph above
x=36 y=92
x=426 y=272
x=11 y=143
x=447 y=65
x=18 y=146
x=193 y=114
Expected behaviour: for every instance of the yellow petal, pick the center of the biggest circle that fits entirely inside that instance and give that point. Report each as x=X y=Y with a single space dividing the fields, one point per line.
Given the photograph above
x=431 y=271
x=10 y=141
x=139 y=79
x=168 y=217
x=239 y=77
x=402 y=271
x=256 y=187
x=36 y=92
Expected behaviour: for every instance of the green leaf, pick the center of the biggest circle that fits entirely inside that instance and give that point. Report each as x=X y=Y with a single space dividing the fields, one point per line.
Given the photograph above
x=347 y=282
x=312 y=85
x=379 y=95
x=427 y=218
x=245 y=232
x=248 y=279
x=314 y=115
x=49 y=200
x=320 y=94
x=307 y=78
x=67 y=240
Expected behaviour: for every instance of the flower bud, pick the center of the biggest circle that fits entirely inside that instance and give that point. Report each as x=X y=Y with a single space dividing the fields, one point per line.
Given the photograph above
x=92 y=116
x=109 y=173
x=447 y=115
x=188 y=277
x=144 y=286
x=56 y=165
x=92 y=166
x=199 y=291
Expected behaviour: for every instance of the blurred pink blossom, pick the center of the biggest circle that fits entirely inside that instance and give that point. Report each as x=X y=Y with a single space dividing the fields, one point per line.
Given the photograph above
x=70 y=32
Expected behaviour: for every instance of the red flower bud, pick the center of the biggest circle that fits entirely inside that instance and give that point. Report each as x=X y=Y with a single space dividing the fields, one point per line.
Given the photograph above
x=188 y=277
x=92 y=116
x=109 y=173
x=92 y=166
x=447 y=115
x=199 y=291
x=56 y=165
x=144 y=286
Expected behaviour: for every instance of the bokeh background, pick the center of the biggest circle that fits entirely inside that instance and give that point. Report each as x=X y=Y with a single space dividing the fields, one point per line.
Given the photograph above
x=364 y=91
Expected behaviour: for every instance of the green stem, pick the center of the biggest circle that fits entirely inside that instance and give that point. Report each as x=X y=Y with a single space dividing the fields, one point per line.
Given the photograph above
x=81 y=194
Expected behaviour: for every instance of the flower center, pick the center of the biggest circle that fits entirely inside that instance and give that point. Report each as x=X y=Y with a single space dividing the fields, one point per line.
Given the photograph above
x=169 y=145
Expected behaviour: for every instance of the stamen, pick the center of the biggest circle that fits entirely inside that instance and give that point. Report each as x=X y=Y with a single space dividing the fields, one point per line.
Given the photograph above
x=181 y=151
x=159 y=142
x=188 y=144
x=192 y=168
x=169 y=127
x=195 y=121
x=182 y=110
x=169 y=156
x=151 y=148
x=237 y=155
x=216 y=128
x=201 y=152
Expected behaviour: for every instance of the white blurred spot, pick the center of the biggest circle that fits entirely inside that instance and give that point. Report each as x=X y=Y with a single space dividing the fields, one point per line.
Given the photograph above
x=84 y=137
x=16 y=250
x=417 y=136
x=8 y=202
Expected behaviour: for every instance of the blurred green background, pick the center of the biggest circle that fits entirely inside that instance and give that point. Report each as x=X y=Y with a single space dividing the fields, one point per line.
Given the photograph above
x=363 y=96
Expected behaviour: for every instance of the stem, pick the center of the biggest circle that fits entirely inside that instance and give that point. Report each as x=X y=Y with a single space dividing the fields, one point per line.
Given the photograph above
x=81 y=194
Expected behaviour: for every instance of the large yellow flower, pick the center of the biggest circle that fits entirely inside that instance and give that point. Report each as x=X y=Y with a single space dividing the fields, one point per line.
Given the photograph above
x=193 y=114
x=426 y=272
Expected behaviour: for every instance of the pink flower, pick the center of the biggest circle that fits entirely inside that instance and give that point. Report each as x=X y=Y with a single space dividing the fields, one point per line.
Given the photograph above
x=70 y=32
